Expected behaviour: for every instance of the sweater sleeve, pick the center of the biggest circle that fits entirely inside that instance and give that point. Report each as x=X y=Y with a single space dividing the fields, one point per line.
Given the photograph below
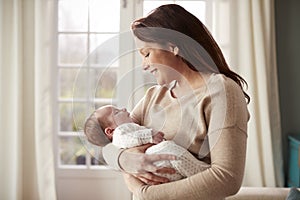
x=227 y=138
x=111 y=155
x=222 y=179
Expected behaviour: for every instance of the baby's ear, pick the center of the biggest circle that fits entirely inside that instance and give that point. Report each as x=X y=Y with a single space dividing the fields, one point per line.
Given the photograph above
x=109 y=132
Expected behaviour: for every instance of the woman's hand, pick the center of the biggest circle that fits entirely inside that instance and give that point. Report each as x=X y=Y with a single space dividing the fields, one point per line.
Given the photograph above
x=132 y=182
x=141 y=165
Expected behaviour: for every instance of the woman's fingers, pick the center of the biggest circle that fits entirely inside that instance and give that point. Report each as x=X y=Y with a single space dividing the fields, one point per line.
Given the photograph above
x=140 y=163
x=143 y=167
x=151 y=179
x=148 y=163
x=159 y=157
x=140 y=149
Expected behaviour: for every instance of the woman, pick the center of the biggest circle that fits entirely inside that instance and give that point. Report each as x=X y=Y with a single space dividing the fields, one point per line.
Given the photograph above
x=198 y=102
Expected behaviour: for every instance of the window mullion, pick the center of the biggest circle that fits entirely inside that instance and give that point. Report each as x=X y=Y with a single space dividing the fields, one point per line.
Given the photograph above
x=125 y=76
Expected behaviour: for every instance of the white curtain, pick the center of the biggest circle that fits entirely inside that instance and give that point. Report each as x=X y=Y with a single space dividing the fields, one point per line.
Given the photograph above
x=252 y=54
x=26 y=40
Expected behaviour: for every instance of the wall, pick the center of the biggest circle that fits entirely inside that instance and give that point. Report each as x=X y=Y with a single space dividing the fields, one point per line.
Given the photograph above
x=287 y=15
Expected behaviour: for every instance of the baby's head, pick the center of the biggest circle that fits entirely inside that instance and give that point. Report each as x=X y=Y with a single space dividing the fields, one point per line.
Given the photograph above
x=99 y=127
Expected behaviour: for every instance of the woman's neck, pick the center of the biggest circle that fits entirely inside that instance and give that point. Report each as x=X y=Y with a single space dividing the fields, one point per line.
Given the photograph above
x=190 y=80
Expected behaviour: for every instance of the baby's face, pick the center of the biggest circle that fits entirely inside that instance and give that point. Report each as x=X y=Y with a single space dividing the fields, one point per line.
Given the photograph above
x=115 y=115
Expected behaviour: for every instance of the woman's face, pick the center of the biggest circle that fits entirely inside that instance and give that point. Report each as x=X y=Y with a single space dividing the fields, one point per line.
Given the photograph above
x=159 y=61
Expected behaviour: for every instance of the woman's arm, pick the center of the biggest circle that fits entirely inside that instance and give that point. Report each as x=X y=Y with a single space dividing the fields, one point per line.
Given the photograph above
x=111 y=155
x=222 y=179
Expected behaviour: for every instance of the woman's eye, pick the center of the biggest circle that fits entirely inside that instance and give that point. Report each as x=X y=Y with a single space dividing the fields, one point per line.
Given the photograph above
x=147 y=55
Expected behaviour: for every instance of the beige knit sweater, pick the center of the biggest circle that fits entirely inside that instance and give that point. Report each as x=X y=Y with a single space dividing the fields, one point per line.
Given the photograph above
x=211 y=122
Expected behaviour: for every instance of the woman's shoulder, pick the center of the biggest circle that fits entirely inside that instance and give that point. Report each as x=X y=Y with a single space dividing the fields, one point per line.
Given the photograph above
x=227 y=100
x=222 y=90
x=221 y=84
x=221 y=80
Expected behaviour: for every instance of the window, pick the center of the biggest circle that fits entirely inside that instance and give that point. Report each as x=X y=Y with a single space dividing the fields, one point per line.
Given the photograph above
x=79 y=33
x=87 y=73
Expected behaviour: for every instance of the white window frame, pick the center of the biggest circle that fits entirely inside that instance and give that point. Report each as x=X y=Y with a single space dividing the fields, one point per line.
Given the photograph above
x=68 y=176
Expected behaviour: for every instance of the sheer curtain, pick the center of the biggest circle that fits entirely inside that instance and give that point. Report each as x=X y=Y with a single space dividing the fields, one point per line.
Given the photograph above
x=27 y=169
x=252 y=54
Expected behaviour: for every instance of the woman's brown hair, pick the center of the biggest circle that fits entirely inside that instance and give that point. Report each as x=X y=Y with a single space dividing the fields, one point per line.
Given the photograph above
x=171 y=23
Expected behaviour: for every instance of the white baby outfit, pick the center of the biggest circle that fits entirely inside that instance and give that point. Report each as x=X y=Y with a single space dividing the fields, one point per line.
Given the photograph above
x=130 y=135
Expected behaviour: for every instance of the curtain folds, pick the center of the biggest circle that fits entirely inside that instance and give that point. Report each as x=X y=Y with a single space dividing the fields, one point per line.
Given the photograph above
x=26 y=39
x=253 y=56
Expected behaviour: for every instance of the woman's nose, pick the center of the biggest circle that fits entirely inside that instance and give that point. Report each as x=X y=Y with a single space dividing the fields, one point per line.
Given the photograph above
x=145 y=65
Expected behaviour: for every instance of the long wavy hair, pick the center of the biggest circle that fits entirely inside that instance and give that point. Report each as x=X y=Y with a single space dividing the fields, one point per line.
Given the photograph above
x=172 y=24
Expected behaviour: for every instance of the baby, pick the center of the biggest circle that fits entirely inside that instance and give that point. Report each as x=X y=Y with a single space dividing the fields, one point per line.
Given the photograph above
x=110 y=124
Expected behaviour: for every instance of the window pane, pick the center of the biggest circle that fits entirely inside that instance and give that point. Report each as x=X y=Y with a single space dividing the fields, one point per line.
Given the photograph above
x=79 y=115
x=67 y=80
x=98 y=161
x=66 y=123
x=104 y=16
x=197 y=8
x=150 y=5
x=72 y=151
x=95 y=152
x=72 y=49
x=72 y=15
x=80 y=86
x=72 y=116
x=105 y=82
x=104 y=49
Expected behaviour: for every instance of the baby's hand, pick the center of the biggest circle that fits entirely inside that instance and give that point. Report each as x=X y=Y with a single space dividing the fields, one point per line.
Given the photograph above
x=158 y=137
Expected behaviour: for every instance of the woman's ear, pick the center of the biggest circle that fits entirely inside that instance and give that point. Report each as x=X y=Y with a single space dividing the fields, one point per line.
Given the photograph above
x=109 y=132
x=175 y=51
x=173 y=48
